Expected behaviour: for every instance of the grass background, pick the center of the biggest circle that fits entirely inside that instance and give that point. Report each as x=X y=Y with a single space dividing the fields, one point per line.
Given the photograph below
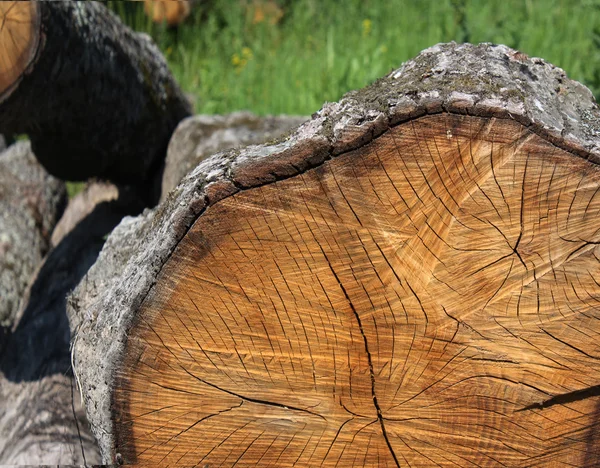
x=290 y=56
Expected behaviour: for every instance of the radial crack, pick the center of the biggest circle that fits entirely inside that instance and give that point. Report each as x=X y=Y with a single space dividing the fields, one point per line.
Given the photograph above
x=565 y=398
x=253 y=400
x=369 y=359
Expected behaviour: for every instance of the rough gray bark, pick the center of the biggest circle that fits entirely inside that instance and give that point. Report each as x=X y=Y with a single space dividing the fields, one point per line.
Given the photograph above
x=31 y=202
x=99 y=101
x=485 y=80
x=41 y=417
x=43 y=422
x=201 y=136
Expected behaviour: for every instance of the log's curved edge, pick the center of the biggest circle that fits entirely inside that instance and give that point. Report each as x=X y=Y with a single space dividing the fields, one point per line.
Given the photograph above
x=484 y=80
x=36 y=47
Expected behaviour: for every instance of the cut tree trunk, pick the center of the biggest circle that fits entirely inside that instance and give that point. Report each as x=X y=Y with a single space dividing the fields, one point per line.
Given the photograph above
x=410 y=279
x=95 y=98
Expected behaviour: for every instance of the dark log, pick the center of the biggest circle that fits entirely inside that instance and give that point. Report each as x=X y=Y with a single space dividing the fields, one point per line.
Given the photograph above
x=409 y=279
x=31 y=202
x=198 y=137
x=95 y=98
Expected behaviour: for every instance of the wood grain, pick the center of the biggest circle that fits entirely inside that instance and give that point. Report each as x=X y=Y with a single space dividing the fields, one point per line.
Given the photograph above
x=430 y=299
x=19 y=38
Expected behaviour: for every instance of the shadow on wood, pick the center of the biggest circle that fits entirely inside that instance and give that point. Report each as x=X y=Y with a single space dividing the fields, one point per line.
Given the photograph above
x=41 y=417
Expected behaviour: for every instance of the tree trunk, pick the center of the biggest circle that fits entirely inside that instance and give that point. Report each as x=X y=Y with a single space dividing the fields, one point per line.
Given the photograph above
x=96 y=99
x=407 y=280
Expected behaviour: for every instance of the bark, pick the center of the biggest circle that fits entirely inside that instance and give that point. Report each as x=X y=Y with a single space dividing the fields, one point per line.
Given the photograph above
x=485 y=82
x=31 y=202
x=201 y=136
x=98 y=101
x=44 y=423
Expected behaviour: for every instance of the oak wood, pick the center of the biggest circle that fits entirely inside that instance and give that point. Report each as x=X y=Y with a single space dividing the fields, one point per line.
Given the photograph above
x=19 y=39
x=453 y=237
x=430 y=298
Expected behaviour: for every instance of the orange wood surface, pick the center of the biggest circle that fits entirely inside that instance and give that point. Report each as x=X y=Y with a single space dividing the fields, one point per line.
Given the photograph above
x=430 y=299
x=19 y=38
x=173 y=12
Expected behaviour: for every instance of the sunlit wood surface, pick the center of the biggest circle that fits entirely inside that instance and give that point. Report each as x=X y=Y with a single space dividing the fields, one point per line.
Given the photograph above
x=430 y=299
x=172 y=12
x=19 y=37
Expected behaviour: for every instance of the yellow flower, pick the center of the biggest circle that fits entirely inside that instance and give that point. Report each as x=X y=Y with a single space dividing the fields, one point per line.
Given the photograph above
x=246 y=52
x=239 y=61
x=367 y=25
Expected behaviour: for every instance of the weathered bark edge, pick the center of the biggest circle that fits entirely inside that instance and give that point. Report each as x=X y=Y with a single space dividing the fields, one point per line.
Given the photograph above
x=484 y=80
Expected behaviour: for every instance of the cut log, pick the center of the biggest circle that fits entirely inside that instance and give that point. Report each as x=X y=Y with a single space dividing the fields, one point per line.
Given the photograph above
x=31 y=202
x=20 y=37
x=95 y=98
x=410 y=279
x=198 y=137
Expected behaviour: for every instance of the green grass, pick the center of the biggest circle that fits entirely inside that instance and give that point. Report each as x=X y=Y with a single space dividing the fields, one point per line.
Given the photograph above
x=321 y=49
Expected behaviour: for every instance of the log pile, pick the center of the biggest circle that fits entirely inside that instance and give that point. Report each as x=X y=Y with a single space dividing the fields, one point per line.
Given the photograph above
x=96 y=100
x=45 y=249
x=408 y=279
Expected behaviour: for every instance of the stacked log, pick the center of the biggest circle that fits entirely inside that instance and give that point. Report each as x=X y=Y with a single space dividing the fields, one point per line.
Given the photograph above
x=95 y=98
x=409 y=279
